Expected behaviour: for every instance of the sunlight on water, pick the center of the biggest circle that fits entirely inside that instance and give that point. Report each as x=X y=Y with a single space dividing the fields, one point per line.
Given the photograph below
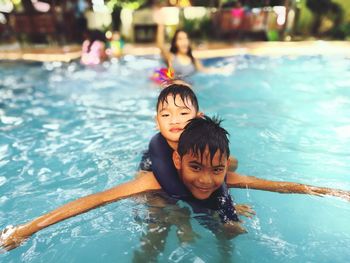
x=67 y=131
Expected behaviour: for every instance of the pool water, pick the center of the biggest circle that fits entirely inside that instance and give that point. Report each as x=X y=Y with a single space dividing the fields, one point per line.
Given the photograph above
x=67 y=131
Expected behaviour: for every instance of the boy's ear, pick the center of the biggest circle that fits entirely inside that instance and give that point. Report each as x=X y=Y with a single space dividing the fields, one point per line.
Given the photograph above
x=200 y=114
x=157 y=123
x=177 y=160
x=228 y=164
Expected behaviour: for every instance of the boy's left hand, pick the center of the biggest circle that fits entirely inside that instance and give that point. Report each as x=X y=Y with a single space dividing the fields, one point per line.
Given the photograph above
x=11 y=237
x=245 y=210
x=321 y=191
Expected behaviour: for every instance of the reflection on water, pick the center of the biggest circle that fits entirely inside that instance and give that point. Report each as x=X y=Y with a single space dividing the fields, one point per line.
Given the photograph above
x=67 y=131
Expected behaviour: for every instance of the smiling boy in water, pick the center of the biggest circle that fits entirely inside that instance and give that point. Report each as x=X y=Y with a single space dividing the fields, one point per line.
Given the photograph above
x=176 y=105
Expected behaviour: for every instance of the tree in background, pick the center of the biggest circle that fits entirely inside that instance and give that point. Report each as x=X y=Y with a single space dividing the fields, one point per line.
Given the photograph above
x=117 y=5
x=322 y=9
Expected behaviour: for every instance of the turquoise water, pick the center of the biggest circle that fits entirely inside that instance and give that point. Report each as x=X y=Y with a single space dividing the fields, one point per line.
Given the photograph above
x=67 y=131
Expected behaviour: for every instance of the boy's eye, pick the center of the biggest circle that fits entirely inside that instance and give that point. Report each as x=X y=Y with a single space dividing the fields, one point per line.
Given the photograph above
x=184 y=113
x=165 y=115
x=218 y=170
x=195 y=168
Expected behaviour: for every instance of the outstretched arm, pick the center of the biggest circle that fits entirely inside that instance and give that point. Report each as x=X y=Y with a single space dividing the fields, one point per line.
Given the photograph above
x=235 y=180
x=14 y=236
x=160 y=42
x=158 y=17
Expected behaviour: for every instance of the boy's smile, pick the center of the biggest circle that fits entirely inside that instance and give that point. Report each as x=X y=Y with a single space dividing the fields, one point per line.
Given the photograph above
x=176 y=130
x=201 y=175
x=172 y=117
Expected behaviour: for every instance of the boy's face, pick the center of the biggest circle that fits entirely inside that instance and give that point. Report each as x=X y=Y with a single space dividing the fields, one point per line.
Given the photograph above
x=172 y=117
x=201 y=175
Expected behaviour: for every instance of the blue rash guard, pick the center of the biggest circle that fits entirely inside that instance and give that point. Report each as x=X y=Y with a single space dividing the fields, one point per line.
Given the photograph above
x=158 y=159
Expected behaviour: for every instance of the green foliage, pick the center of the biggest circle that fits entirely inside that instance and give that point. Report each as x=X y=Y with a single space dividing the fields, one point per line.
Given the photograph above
x=132 y=4
x=199 y=28
x=336 y=13
x=191 y=26
x=202 y=2
x=341 y=32
x=252 y=3
x=272 y=35
x=329 y=9
x=325 y=7
x=319 y=7
x=346 y=29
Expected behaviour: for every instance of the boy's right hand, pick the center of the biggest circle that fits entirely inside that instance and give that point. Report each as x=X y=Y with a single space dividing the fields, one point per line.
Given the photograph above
x=11 y=237
x=233 y=229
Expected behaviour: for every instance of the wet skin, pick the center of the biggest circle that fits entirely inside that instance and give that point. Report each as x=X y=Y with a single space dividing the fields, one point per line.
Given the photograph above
x=201 y=173
x=172 y=117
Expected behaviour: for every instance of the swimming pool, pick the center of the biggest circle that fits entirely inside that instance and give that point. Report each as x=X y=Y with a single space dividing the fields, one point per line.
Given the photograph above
x=68 y=131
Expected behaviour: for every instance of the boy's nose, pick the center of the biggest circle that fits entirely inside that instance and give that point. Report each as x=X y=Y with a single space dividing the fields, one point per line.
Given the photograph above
x=174 y=120
x=205 y=178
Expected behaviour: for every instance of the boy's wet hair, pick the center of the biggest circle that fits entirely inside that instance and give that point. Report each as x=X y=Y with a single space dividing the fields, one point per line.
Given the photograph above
x=178 y=88
x=202 y=132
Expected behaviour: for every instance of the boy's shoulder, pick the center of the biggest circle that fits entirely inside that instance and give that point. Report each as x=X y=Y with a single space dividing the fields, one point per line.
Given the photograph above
x=158 y=146
x=147 y=180
x=157 y=136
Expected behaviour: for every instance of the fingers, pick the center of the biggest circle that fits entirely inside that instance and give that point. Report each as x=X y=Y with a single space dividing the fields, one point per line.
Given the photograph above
x=333 y=192
x=315 y=193
x=342 y=194
x=7 y=241
x=249 y=215
x=4 y=249
x=244 y=206
x=245 y=210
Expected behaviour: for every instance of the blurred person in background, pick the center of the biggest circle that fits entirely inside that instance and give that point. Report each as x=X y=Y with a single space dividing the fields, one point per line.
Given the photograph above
x=180 y=57
x=93 y=48
x=115 y=45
